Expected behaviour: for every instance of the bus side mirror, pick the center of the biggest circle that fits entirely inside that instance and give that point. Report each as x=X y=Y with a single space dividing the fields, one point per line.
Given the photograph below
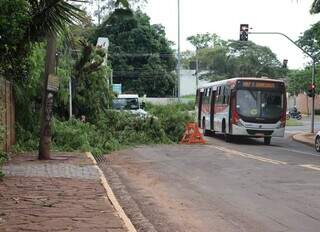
x=142 y=105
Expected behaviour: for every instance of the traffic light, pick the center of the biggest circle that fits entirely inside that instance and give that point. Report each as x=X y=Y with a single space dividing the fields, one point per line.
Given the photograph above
x=311 y=90
x=244 y=30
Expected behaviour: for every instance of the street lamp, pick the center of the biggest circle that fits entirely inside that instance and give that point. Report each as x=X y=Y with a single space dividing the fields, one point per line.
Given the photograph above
x=179 y=55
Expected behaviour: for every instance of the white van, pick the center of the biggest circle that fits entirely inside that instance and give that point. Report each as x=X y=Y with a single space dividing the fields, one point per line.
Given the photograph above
x=129 y=102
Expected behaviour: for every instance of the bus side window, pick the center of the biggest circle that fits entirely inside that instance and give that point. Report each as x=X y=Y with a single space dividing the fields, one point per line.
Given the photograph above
x=223 y=95
x=218 y=95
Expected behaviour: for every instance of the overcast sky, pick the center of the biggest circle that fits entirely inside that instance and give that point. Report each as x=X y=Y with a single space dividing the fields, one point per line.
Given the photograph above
x=224 y=18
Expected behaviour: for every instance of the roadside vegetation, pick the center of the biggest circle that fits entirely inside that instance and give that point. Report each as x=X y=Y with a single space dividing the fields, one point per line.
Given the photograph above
x=114 y=130
x=3 y=156
x=293 y=122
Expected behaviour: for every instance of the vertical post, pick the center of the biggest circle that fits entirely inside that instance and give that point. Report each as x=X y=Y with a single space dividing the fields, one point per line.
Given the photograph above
x=179 y=55
x=70 y=98
x=197 y=69
x=313 y=96
x=47 y=101
x=99 y=12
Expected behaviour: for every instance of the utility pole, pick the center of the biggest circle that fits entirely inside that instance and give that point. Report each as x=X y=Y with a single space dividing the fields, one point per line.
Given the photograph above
x=47 y=100
x=197 y=69
x=314 y=59
x=70 y=98
x=179 y=55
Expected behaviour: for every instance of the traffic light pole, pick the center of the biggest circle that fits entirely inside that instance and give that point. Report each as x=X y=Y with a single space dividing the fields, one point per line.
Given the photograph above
x=313 y=95
x=313 y=67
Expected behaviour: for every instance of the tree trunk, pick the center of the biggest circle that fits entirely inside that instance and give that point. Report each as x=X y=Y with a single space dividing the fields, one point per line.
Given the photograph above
x=47 y=101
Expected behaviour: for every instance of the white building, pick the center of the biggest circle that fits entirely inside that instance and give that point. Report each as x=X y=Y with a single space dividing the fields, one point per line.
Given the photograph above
x=188 y=82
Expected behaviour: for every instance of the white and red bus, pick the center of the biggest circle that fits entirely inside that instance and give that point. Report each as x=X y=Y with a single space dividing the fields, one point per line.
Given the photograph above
x=253 y=107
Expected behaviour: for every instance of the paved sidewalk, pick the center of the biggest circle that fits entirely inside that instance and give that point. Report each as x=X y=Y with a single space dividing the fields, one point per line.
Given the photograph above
x=305 y=138
x=56 y=195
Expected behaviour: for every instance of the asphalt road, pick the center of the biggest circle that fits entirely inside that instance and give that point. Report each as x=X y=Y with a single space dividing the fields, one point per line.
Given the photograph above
x=241 y=186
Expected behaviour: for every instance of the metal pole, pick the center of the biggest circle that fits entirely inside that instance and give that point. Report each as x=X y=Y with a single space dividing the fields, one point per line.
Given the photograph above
x=313 y=57
x=313 y=96
x=179 y=55
x=70 y=98
x=197 y=69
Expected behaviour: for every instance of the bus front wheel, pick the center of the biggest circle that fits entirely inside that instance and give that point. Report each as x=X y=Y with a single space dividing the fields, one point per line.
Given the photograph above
x=267 y=140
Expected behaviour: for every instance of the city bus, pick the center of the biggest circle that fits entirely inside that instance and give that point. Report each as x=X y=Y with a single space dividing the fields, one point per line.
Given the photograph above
x=252 y=107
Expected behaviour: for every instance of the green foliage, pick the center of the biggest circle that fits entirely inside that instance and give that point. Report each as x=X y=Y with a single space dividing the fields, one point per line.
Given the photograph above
x=227 y=59
x=115 y=130
x=315 y=8
x=298 y=80
x=3 y=157
x=173 y=118
x=24 y=22
x=293 y=122
x=14 y=19
x=310 y=40
x=200 y=41
x=92 y=93
x=140 y=54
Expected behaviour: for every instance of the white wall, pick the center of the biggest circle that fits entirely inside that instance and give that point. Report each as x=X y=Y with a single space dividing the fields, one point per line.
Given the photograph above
x=188 y=82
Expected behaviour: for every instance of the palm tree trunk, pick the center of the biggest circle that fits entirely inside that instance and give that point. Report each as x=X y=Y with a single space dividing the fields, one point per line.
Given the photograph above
x=47 y=101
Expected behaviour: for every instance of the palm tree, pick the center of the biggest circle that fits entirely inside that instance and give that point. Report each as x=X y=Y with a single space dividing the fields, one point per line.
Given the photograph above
x=48 y=18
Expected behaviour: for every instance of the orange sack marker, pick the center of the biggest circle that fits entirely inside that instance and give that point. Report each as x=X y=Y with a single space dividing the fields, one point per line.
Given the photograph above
x=192 y=135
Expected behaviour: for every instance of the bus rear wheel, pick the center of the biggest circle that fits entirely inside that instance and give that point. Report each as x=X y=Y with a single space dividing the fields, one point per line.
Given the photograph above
x=267 y=140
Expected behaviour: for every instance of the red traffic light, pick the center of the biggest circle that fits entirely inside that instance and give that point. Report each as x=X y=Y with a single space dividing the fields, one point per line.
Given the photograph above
x=244 y=27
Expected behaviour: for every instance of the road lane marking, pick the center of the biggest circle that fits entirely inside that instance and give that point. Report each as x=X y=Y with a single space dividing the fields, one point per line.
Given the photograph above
x=311 y=166
x=296 y=151
x=250 y=156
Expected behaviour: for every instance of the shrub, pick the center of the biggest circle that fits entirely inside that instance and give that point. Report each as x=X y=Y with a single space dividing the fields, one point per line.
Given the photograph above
x=114 y=130
x=173 y=118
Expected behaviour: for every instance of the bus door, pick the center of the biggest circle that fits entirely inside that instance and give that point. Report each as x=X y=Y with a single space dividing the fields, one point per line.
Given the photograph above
x=212 y=104
x=200 y=102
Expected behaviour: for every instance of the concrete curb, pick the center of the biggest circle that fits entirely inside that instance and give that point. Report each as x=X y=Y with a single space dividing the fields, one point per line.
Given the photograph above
x=301 y=138
x=112 y=197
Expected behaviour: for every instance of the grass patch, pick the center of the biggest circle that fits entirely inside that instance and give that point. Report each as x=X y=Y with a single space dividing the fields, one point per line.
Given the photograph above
x=191 y=97
x=294 y=122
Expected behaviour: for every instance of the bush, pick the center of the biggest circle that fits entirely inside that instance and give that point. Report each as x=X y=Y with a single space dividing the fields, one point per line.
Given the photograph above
x=173 y=118
x=114 y=130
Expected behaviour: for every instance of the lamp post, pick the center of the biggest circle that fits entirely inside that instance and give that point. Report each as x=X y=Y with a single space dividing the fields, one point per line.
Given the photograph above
x=314 y=59
x=179 y=55
x=197 y=68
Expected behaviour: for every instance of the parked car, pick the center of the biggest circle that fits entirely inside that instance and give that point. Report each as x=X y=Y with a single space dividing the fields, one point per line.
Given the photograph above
x=129 y=103
x=317 y=142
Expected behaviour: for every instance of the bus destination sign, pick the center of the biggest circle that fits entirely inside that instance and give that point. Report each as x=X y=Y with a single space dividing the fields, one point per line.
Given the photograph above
x=259 y=84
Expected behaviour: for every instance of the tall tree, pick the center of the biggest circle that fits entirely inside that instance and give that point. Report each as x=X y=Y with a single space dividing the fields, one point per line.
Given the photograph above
x=200 y=41
x=315 y=8
x=310 y=40
x=140 y=55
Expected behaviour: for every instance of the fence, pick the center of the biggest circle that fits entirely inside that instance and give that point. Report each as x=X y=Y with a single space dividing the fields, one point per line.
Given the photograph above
x=7 y=114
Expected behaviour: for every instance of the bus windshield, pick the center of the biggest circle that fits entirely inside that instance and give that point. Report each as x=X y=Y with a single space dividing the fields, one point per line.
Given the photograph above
x=259 y=103
x=125 y=104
